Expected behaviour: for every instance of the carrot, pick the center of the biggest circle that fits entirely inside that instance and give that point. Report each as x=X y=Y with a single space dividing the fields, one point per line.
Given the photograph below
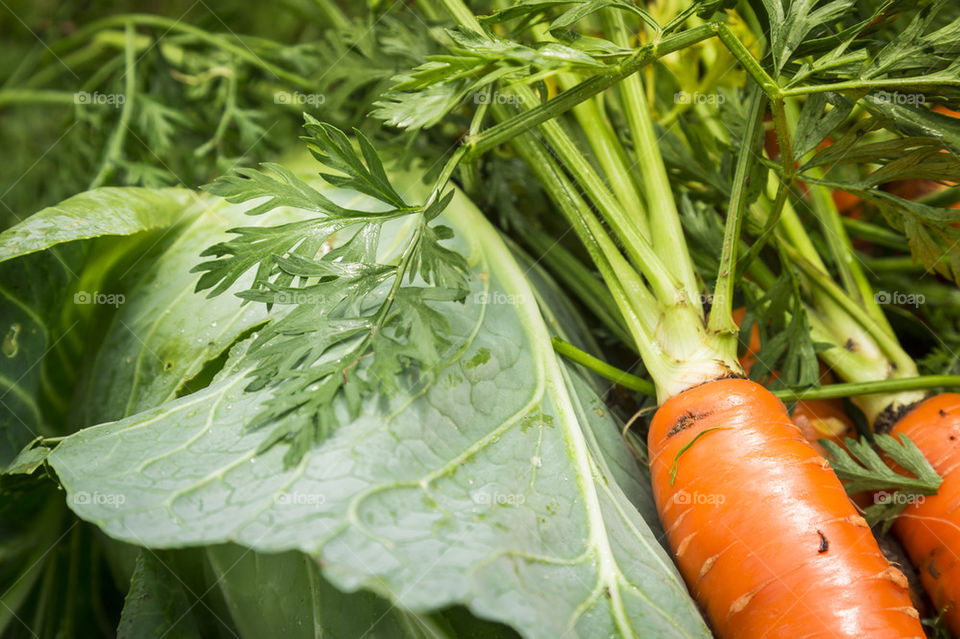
x=930 y=528
x=761 y=528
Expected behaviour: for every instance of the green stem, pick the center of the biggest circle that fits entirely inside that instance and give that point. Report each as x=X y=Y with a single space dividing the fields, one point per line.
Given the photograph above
x=875 y=234
x=27 y=96
x=605 y=370
x=848 y=265
x=225 y=118
x=55 y=68
x=115 y=145
x=611 y=157
x=881 y=83
x=898 y=264
x=885 y=386
x=845 y=258
x=749 y=63
x=831 y=391
x=721 y=313
x=462 y=14
x=746 y=263
x=634 y=302
x=638 y=249
x=784 y=139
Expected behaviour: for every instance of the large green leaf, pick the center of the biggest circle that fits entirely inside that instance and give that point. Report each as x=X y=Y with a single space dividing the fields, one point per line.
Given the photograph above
x=485 y=488
x=103 y=211
x=48 y=278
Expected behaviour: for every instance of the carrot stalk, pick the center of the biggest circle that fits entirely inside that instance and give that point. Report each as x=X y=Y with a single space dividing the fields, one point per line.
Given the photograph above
x=781 y=535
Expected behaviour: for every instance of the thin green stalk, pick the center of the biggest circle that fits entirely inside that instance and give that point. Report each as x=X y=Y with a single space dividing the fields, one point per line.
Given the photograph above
x=721 y=313
x=665 y=228
x=746 y=263
x=28 y=96
x=228 y=111
x=846 y=260
x=848 y=265
x=873 y=233
x=638 y=249
x=880 y=83
x=56 y=67
x=636 y=305
x=885 y=386
x=469 y=173
x=831 y=391
x=115 y=144
x=748 y=62
x=612 y=159
x=603 y=369
x=898 y=264
x=784 y=139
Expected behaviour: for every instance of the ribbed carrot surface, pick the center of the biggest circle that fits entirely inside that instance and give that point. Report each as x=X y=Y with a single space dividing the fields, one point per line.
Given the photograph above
x=930 y=530
x=761 y=528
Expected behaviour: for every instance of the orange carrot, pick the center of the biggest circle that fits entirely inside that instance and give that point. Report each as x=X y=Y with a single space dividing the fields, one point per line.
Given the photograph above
x=761 y=528
x=930 y=528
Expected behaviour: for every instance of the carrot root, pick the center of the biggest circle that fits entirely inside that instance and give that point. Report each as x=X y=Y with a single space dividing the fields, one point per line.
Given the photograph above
x=761 y=529
x=929 y=529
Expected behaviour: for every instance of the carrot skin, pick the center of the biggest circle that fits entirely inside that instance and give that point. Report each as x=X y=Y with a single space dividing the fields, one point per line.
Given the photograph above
x=929 y=530
x=761 y=528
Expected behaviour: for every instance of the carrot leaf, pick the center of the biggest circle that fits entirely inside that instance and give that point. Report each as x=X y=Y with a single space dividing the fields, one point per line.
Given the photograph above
x=861 y=469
